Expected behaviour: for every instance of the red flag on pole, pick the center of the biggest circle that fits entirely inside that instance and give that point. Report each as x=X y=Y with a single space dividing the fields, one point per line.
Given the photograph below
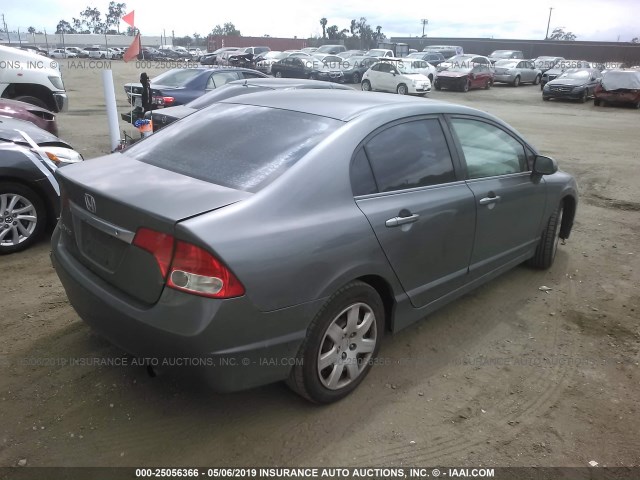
x=128 y=18
x=134 y=50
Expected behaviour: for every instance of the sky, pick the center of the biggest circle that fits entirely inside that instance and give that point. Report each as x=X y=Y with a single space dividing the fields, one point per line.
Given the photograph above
x=594 y=20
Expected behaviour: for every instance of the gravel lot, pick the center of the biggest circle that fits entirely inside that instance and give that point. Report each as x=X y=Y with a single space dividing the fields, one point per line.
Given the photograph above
x=507 y=376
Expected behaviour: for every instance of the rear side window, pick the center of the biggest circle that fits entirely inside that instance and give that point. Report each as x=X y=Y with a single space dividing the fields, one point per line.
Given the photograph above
x=243 y=147
x=409 y=155
x=362 y=181
x=176 y=77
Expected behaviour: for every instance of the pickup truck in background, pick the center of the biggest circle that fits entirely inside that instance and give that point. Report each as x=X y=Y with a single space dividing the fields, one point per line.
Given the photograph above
x=31 y=78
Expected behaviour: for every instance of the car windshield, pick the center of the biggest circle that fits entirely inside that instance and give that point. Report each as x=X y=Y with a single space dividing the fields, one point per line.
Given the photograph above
x=577 y=74
x=410 y=67
x=275 y=55
x=176 y=77
x=218 y=144
x=501 y=54
x=376 y=52
x=506 y=63
x=326 y=48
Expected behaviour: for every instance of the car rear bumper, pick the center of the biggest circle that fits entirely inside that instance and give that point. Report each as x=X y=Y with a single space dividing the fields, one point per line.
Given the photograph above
x=504 y=78
x=226 y=343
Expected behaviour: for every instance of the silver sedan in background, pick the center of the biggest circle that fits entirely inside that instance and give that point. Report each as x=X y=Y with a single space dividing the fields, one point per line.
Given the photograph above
x=516 y=72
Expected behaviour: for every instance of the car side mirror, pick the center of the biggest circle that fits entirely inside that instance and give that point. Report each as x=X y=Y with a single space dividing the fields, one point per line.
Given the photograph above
x=544 y=165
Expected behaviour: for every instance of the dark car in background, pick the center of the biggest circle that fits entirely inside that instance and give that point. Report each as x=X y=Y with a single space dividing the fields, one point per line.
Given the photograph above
x=150 y=53
x=618 y=87
x=198 y=242
x=162 y=118
x=434 y=58
x=311 y=67
x=465 y=76
x=354 y=67
x=182 y=85
x=573 y=84
x=559 y=68
x=40 y=117
x=212 y=58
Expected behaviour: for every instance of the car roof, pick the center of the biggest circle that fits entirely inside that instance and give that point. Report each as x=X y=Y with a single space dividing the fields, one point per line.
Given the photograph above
x=346 y=106
x=272 y=82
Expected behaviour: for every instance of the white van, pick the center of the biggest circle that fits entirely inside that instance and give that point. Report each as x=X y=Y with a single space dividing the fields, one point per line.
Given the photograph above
x=31 y=78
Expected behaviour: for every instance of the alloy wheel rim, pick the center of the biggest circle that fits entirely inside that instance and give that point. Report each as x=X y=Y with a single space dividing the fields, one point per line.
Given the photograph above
x=18 y=219
x=347 y=346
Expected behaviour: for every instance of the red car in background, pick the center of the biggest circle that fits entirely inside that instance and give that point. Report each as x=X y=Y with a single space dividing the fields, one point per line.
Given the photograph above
x=40 y=117
x=465 y=76
x=618 y=87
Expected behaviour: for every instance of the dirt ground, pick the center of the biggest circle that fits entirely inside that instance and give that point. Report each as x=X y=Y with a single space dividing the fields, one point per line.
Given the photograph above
x=507 y=376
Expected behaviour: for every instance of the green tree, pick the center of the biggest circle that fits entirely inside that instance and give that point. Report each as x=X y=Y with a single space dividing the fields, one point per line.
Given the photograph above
x=31 y=30
x=114 y=14
x=635 y=40
x=64 y=27
x=323 y=22
x=92 y=19
x=559 y=34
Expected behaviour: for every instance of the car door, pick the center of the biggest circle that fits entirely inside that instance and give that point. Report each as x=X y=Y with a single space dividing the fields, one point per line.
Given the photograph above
x=421 y=212
x=387 y=77
x=509 y=201
x=296 y=68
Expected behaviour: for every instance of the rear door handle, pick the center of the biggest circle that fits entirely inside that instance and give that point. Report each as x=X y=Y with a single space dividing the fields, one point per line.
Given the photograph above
x=488 y=200
x=397 y=221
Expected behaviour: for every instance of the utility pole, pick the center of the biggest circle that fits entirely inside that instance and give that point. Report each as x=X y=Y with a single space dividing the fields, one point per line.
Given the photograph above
x=425 y=22
x=546 y=37
x=6 y=29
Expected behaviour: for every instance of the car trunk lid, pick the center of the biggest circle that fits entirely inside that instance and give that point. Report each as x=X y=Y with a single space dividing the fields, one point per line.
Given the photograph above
x=102 y=212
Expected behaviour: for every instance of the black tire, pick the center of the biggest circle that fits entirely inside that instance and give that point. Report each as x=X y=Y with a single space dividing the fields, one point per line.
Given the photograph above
x=32 y=100
x=487 y=85
x=464 y=86
x=402 y=89
x=516 y=81
x=11 y=188
x=546 y=99
x=537 y=80
x=366 y=86
x=437 y=85
x=305 y=376
x=596 y=102
x=430 y=76
x=356 y=78
x=278 y=74
x=548 y=244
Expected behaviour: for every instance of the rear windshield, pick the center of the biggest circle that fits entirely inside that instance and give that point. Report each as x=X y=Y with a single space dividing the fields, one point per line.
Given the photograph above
x=243 y=147
x=176 y=77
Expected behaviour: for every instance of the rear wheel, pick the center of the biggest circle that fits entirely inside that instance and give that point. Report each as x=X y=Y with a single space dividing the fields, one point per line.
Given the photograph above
x=22 y=217
x=278 y=74
x=356 y=77
x=402 y=89
x=32 y=100
x=341 y=343
x=366 y=85
x=548 y=244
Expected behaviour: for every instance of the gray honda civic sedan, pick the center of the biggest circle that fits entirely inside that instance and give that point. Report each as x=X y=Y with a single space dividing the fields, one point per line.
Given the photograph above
x=276 y=236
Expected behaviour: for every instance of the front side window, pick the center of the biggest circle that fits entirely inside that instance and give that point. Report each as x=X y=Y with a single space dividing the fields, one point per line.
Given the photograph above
x=409 y=155
x=488 y=150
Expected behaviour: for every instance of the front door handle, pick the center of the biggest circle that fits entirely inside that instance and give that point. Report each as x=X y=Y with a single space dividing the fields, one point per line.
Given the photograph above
x=489 y=200
x=397 y=221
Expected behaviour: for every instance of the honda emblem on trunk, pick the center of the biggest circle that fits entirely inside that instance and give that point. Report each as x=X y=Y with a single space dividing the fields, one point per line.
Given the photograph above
x=90 y=202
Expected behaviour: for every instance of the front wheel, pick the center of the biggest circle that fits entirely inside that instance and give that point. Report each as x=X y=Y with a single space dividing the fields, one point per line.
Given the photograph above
x=356 y=77
x=596 y=102
x=437 y=85
x=402 y=89
x=465 y=86
x=537 y=80
x=516 y=81
x=548 y=243
x=366 y=85
x=341 y=343
x=487 y=85
x=32 y=100
x=23 y=217
x=585 y=96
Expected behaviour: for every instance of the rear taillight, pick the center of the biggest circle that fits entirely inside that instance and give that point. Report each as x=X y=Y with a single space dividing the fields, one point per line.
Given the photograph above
x=195 y=270
x=188 y=268
x=160 y=245
x=168 y=101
